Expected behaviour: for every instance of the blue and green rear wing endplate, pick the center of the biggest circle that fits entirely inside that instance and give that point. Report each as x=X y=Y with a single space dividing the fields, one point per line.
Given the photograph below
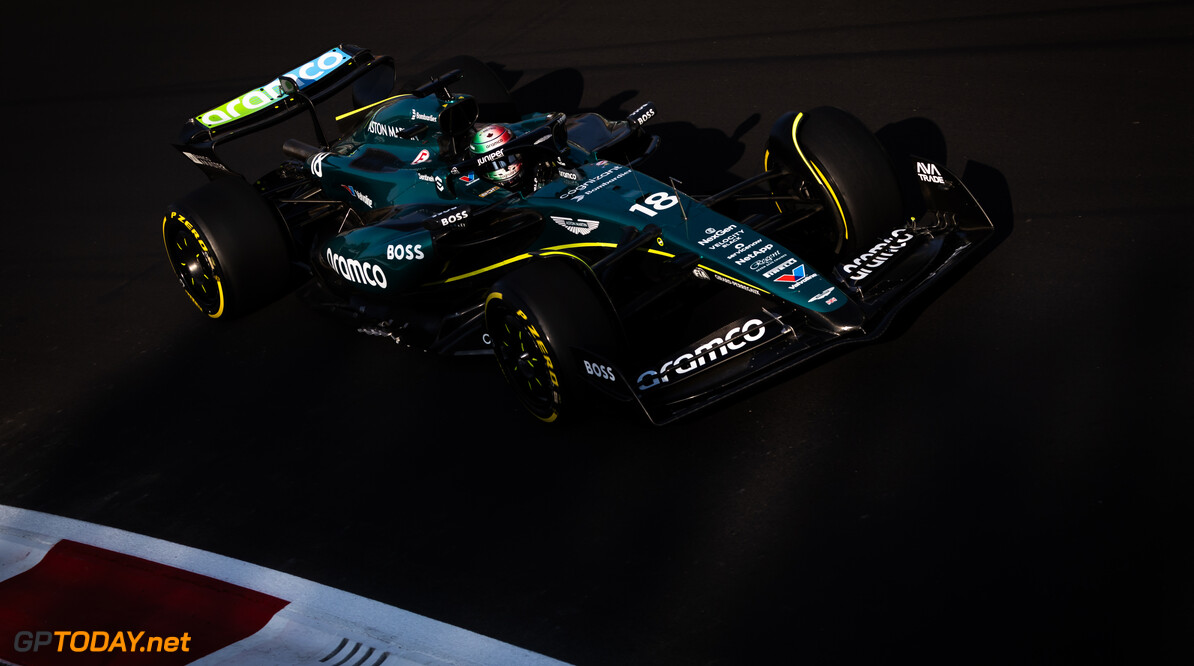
x=318 y=79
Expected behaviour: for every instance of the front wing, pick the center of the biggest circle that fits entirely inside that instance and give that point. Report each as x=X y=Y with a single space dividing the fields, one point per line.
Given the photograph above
x=878 y=284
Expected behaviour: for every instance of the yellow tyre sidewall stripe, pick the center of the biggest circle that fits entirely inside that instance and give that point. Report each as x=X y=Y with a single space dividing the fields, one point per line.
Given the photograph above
x=219 y=283
x=819 y=176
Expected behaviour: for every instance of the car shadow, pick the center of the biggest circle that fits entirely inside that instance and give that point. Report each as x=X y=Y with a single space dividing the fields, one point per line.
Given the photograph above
x=908 y=139
x=698 y=159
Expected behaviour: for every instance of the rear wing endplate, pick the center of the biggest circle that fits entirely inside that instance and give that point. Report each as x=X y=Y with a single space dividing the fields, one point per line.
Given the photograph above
x=318 y=79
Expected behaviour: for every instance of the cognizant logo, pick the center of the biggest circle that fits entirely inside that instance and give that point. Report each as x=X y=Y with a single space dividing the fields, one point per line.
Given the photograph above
x=98 y=641
x=262 y=97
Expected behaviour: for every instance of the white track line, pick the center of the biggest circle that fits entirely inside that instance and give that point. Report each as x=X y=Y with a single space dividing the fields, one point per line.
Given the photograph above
x=321 y=624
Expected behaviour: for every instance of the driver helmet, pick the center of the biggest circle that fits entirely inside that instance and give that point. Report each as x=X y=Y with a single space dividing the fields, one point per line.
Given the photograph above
x=502 y=170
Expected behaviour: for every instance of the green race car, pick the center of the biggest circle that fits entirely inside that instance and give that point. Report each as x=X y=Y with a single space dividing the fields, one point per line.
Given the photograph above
x=445 y=218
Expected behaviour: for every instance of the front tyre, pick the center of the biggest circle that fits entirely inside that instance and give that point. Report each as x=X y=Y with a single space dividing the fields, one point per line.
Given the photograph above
x=548 y=323
x=226 y=246
x=834 y=158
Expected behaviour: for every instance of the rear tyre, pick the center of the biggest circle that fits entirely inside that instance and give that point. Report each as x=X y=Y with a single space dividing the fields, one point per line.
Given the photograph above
x=226 y=246
x=554 y=336
x=833 y=157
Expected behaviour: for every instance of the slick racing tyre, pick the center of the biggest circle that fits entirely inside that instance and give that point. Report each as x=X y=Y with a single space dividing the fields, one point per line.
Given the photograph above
x=555 y=338
x=226 y=246
x=835 y=159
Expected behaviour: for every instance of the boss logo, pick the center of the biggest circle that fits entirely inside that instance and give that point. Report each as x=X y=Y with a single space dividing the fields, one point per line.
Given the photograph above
x=646 y=114
x=452 y=218
x=400 y=252
x=600 y=371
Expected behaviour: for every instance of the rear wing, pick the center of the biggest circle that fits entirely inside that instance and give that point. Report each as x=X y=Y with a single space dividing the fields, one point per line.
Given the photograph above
x=317 y=80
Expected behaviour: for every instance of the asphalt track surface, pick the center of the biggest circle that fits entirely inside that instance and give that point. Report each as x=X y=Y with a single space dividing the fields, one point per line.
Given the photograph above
x=1003 y=479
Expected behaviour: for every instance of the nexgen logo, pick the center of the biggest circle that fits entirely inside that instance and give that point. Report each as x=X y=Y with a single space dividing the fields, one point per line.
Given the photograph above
x=262 y=97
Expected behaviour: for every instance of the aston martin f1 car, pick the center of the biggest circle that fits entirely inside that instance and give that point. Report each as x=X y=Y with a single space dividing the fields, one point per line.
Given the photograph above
x=543 y=241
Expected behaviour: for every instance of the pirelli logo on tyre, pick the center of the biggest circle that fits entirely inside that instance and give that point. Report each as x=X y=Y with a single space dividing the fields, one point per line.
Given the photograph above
x=542 y=347
x=175 y=215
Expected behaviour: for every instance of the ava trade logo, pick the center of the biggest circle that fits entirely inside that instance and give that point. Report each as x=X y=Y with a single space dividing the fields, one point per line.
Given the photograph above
x=254 y=100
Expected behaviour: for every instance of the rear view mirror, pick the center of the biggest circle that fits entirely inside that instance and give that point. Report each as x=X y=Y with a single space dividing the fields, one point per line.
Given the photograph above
x=288 y=85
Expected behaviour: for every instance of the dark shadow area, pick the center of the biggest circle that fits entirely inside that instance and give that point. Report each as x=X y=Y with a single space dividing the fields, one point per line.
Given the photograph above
x=996 y=481
x=560 y=90
x=905 y=140
x=358 y=477
x=990 y=188
x=508 y=77
x=486 y=519
x=480 y=80
x=920 y=137
x=699 y=159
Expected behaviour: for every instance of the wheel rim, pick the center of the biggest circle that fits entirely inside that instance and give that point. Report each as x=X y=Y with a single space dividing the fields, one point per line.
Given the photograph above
x=195 y=269
x=526 y=364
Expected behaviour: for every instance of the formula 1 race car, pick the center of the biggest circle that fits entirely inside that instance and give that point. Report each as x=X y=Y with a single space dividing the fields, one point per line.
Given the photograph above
x=445 y=218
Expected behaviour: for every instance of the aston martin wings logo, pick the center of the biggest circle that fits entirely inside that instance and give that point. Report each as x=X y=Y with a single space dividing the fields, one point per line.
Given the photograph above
x=581 y=227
